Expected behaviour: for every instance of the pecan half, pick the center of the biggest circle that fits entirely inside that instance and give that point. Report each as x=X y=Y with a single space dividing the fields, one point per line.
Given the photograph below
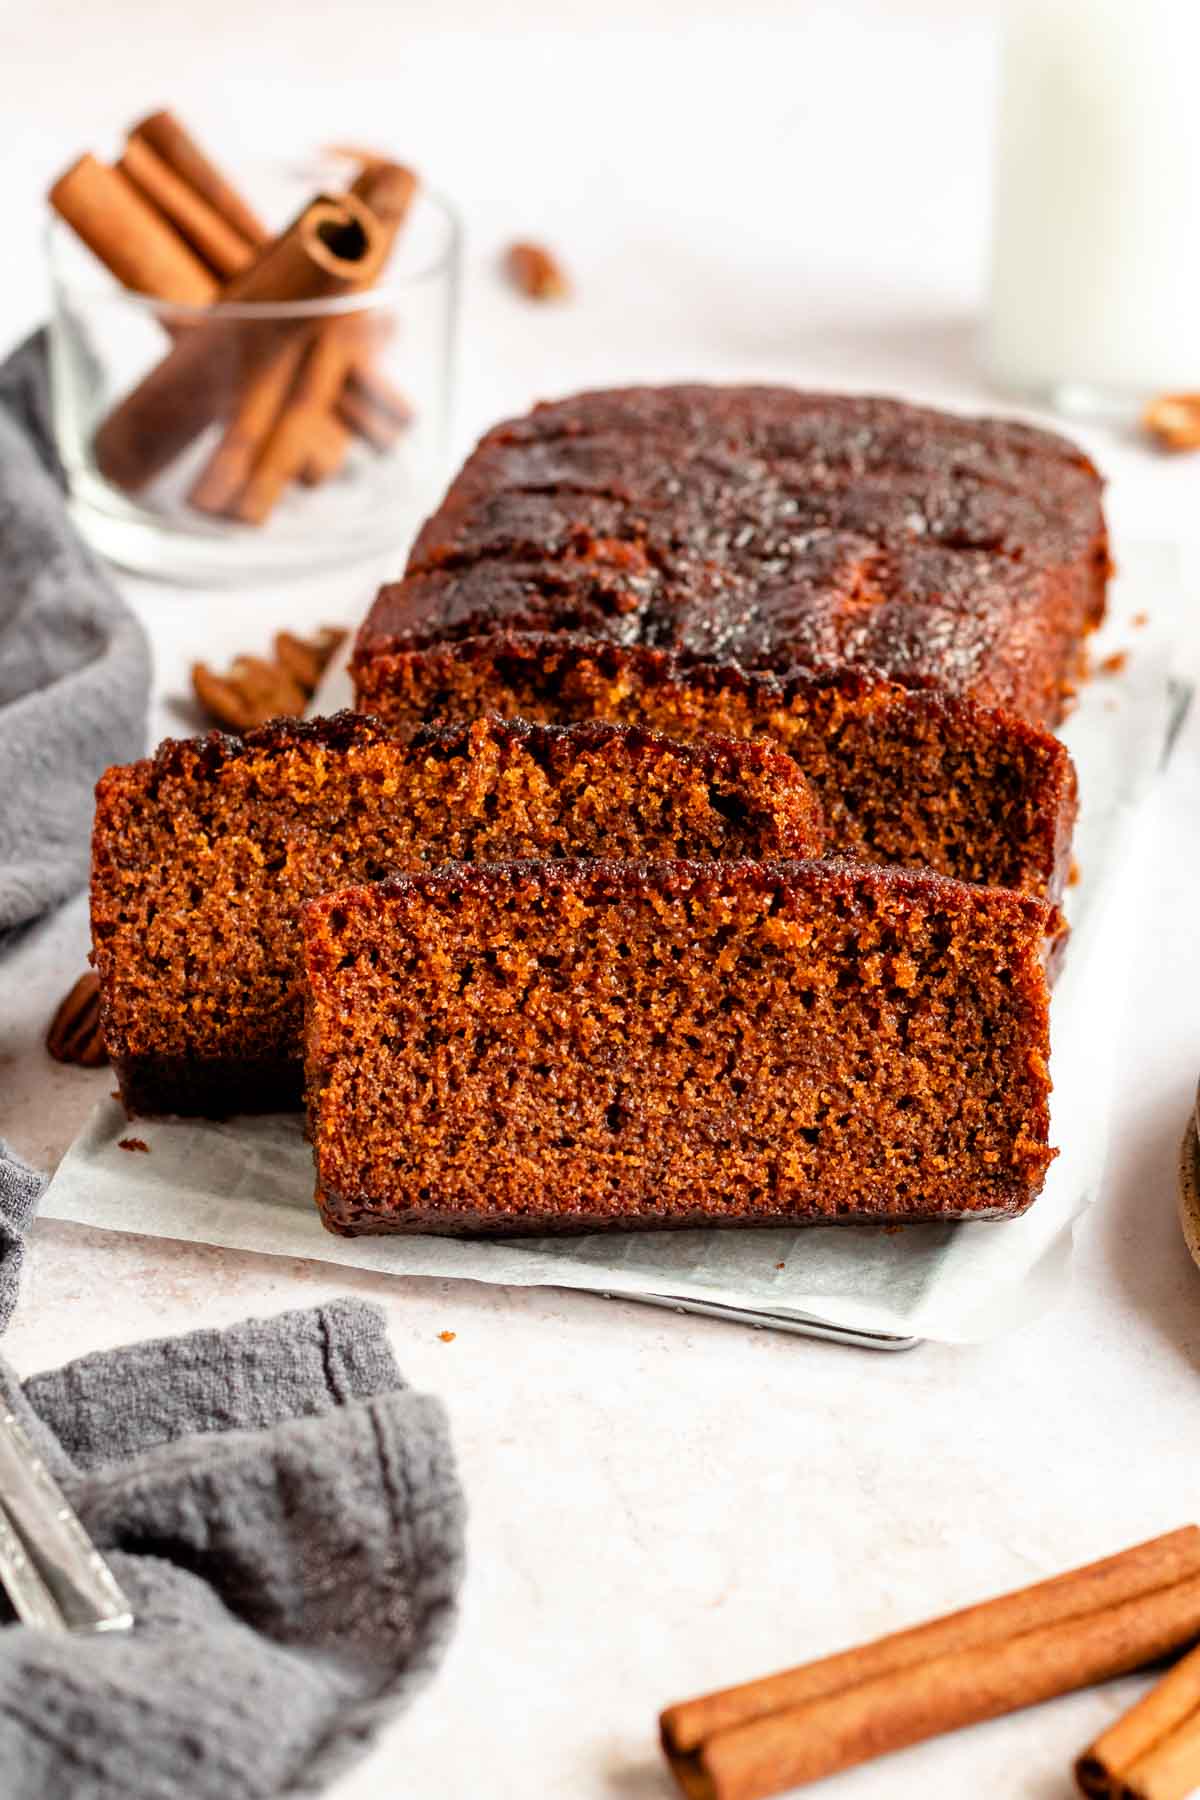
x=537 y=272
x=74 y=1035
x=1174 y=419
x=306 y=659
x=255 y=690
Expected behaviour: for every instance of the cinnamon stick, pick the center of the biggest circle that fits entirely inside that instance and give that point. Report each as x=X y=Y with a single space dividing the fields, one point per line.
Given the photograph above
x=1110 y=1617
x=163 y=133
x=284 y=430
x=224 y=250
x=1170 y=1771
x=326 y=453
x=263 y=404
x=141 y=248
x=300 y=427
x=389 y=190
x=1144 y=1739
x=373 y=417
x=332 y=247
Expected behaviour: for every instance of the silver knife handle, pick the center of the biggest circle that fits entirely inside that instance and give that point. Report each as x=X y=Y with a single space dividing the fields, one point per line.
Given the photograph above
x=70 y=1567
x=32 y=1600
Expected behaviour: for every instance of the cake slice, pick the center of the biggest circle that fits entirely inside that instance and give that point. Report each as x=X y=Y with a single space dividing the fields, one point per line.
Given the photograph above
x=917 y=778
x=539 y=1047
x=204 y=855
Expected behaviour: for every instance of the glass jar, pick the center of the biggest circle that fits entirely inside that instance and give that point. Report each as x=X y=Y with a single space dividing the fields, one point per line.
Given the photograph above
x=259 y=482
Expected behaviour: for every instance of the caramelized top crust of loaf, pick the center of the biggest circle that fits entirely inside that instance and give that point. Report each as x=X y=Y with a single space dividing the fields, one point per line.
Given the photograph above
x=770 y=528
x=581 y=1045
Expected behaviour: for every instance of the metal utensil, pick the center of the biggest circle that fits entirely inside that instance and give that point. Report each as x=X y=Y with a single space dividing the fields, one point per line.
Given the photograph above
x=54 y=1575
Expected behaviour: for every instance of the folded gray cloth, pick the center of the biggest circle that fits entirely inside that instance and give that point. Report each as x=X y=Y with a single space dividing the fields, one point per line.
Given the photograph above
x=20 y=1190
x=74 y=663
x=284 y=1516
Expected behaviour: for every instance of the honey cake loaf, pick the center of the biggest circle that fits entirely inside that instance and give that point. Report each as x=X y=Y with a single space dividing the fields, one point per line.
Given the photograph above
x=918 y=778
x=771 y=529
x=204 y=854
x=543 y=1047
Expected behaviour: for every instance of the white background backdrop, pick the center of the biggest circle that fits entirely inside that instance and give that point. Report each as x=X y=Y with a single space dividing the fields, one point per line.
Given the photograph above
x=795 y=193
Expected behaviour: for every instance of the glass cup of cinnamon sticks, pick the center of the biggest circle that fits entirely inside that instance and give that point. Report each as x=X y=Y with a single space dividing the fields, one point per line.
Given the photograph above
x=240 y=392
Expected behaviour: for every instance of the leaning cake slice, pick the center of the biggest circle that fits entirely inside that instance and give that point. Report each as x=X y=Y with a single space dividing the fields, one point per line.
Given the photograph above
x=915 y=777
x=535 y=1047
x=203 y=856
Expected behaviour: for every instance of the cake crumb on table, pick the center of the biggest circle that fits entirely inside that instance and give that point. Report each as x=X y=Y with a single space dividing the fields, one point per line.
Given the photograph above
x=447 y=1337
x=1113 y=665
x=1141 y=618
x=132 y=1143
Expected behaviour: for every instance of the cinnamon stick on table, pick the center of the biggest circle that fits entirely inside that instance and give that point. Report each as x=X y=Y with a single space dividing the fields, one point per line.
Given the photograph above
x=331 y=248
x=131 y=238
x=1106 y=1619
x=1153 y=1751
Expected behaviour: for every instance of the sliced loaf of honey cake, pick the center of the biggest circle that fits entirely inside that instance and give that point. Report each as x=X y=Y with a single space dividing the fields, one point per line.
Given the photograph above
x=772 y=529
x=544 y=1047
x=204 y=854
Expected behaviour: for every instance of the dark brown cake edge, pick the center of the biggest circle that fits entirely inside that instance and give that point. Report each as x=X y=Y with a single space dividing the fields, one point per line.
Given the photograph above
x=350 y=729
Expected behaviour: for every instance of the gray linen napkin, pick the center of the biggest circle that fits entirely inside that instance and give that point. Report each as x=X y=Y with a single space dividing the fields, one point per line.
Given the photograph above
x=286 y=1519
x=20 y=1190
x=74 y=663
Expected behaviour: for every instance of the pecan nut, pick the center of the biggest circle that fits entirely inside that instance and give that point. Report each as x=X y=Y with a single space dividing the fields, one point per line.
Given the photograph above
x=1174 y=419
x=75 y=1035
x=537 y=272
x=255 y=689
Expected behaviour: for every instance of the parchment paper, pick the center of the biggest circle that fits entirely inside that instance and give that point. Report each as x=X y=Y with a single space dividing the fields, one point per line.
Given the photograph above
x=247 y=1183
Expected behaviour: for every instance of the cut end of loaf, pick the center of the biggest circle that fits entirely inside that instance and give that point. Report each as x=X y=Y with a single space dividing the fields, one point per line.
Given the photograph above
x=534 y=1047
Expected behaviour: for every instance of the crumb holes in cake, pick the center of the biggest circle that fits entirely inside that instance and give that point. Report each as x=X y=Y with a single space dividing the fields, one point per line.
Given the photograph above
x=338 y=919
x=730 y=807
x=614 y=1116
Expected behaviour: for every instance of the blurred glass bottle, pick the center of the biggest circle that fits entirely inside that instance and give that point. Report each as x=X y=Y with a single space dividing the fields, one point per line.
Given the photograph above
x=1095 y=293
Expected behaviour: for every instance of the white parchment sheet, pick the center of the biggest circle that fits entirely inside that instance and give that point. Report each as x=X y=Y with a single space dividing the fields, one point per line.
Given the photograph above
x=247 y=1183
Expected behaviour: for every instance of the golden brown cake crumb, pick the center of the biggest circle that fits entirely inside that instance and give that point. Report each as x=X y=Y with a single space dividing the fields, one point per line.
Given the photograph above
x=577 y=1046
x=923 y=779
x=204 y=855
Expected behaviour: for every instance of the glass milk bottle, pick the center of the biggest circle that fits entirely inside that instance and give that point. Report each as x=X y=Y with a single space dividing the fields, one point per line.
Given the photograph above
x=1095 y=295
